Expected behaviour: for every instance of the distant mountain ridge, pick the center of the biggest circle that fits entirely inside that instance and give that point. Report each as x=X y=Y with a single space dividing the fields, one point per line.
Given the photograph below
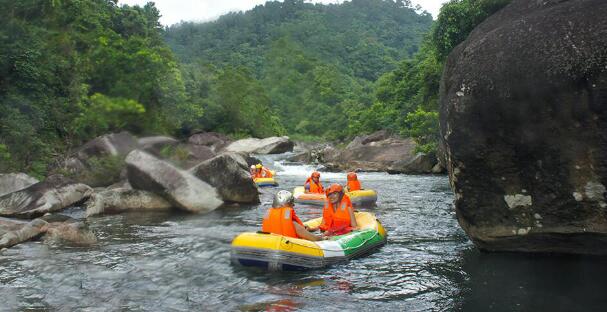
x=363 y=37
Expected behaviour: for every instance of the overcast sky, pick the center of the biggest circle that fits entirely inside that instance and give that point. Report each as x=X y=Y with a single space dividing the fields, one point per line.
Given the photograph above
x=174 y=11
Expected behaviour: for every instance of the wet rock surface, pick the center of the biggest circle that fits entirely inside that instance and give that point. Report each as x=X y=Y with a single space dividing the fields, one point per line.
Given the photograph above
x=524 y=126
x=119 y=200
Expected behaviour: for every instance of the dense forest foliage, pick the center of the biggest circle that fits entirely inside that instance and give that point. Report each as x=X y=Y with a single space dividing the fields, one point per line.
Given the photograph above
x=316 y=63
x=71 y=70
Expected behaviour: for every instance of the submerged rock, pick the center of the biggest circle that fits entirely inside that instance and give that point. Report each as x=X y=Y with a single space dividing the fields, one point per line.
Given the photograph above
x=53 y=194
x=12 y=182
x=229 y=174
x=53 y=229
x=13 y=232
x=181 y=188
x=120 y=199
x=272 y=145
x=524 y=126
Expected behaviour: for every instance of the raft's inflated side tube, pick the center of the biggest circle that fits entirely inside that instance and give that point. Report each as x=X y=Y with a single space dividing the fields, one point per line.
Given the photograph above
x=265 y=182
x=363 y=197
x=277 y=252
x=358 y=198
x=301 y=197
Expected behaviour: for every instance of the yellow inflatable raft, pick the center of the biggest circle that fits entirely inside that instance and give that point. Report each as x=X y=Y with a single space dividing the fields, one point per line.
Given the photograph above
x=302 y=197
x=358 y=198
x=265 y=182
x=363 y=197
x=277 y=252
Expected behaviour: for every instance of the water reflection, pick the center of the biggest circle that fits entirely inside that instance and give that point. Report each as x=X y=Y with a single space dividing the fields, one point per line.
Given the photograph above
x=180 y=262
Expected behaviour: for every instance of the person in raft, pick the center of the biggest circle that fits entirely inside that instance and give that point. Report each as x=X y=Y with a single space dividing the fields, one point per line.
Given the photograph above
x=252 y=171
x=353 y=183
x=281 y=218
x=338 y=214
x=313 y=184
x=261 y=172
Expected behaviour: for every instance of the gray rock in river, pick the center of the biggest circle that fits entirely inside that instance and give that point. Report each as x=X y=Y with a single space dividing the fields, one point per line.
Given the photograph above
x=271 y=145
x=181 y=188
x=379 y=152
x=53 y=194
x=53 y=229
x=12 y=182
x=229 y=173
x=119 y=200
x=13 y=232
x=524 y=124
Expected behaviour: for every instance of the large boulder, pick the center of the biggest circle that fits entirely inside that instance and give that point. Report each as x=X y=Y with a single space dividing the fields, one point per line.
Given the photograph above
x=378 y=152
x=272 y=145
x=524 y=125
x=12 y=182
x=53 y=194
x=229 y=173
x=113 y=144
x=123 y=199
x=213 y=140
x=100 y=161
x=420 y=164
x=182 y=189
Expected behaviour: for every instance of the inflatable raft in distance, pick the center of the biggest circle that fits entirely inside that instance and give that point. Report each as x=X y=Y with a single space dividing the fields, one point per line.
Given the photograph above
x=358 y=198
x=280 y=253
x=267 y=181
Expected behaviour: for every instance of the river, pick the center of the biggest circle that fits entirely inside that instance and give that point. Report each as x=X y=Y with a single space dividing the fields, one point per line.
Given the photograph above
x=181 y=262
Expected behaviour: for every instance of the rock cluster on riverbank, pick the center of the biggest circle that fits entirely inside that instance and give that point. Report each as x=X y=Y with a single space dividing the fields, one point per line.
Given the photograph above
x=148 y=173
x=378 y=151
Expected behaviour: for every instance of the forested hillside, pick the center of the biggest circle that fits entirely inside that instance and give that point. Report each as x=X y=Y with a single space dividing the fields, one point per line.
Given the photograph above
x=73 y=70
x=316 y=64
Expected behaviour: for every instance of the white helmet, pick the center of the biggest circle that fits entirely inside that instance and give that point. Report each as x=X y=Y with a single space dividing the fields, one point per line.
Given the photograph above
x=283 y=198
x=252 y=166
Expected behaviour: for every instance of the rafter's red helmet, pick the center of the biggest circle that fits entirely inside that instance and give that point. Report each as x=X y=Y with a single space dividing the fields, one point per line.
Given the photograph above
x=315 y=174
x=335 y=188
x=352 y=176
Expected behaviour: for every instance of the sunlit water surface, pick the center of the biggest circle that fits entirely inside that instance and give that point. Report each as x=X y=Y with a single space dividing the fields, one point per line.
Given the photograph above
x=181 y=262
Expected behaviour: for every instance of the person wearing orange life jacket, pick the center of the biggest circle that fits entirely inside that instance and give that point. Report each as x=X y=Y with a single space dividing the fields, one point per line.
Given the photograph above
x=262 y=172
x=252 y=171
x=338 y=214
x=353 y=183
x=313 y=184
x=281 y=218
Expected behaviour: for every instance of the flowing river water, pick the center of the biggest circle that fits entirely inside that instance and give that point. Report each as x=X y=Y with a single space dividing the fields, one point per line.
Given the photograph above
x=181 y=262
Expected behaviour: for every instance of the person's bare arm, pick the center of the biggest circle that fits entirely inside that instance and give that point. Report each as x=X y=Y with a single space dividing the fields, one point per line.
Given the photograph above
x=303 y=233
x=353 y=222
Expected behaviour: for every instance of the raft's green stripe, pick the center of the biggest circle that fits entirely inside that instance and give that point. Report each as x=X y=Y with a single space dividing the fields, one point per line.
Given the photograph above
x=353 y=241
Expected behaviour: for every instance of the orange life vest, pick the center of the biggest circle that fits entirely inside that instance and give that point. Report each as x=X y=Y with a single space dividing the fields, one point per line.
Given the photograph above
x=315 y=188
x=280 y=221
x=353 y=185
x=263 y=173
x=337 y=222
